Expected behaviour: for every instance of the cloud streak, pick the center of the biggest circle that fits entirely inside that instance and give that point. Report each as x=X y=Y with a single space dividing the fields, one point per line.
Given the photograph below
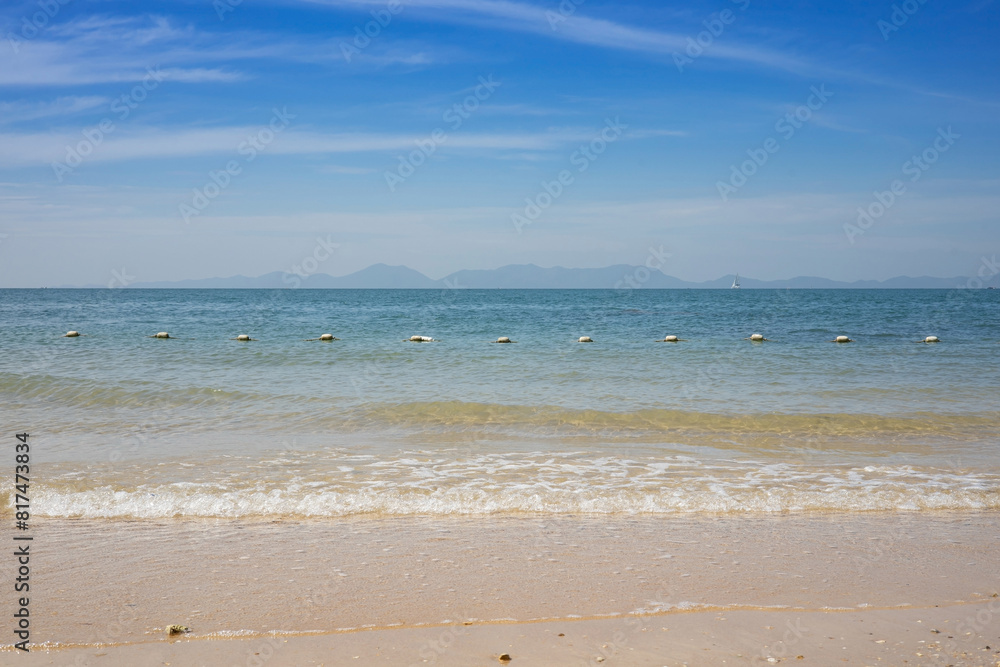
x=38 y=148
x=114 y=49
x=13 y=112
x=108 y=49
x=523 y=17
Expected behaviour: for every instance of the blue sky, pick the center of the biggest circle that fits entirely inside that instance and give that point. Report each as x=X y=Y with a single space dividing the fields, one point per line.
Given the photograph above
x=119 y=121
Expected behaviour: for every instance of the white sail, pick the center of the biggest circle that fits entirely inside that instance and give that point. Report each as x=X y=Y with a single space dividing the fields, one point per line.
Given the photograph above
x=736 y=282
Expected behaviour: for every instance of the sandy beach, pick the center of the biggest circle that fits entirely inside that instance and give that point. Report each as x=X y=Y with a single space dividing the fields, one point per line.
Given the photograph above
x=922 y=636
x=878 y=588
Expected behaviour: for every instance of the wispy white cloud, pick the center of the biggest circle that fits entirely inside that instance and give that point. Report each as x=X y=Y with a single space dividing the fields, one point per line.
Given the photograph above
x=38 y=148
x=581 y=29
x=102 y=49
x=96 y=29
x=99 y=49
x=12 y=112
x=200 y=75
x=375 y=57
x=954 y=201
x=577 y=27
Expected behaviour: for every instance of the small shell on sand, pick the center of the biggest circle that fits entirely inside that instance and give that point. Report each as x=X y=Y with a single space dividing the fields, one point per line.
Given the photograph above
x=177 y=629
x=71 y=334
x=586 y=339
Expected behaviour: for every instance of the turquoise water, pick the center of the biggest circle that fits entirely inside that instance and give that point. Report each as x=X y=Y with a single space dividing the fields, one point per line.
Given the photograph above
x=203 y=425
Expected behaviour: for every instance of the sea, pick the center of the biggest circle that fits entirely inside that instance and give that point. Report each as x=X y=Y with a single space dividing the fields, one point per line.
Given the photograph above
x=124 y=426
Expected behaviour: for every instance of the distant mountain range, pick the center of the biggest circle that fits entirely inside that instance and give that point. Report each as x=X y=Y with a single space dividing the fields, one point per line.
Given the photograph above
x=529 y=276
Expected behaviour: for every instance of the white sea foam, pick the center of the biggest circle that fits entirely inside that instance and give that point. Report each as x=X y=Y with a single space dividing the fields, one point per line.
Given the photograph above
x=420 y=483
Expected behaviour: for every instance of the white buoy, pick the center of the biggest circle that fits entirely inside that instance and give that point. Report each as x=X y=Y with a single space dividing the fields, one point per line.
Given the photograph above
x=670 y=339
x=162 y=334
x=504 y=339
x=327 y=337
x=932 y=339
x=243 y=338
x=757 y=337
x=71 y=334
x=841 y=339
x=586 y=339
x=421 y=339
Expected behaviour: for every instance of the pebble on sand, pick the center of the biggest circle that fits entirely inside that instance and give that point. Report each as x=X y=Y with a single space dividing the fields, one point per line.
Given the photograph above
x=504 y=657
x=177 y=629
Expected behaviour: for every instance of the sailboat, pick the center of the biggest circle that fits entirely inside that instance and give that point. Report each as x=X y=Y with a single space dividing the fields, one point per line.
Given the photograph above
x=736 y=282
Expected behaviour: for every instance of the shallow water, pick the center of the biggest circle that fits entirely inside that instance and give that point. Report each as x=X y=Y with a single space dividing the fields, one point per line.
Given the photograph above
x=128 y=426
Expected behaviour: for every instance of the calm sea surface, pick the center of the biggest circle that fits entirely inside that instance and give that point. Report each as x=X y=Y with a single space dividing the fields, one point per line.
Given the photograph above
x=127 y=426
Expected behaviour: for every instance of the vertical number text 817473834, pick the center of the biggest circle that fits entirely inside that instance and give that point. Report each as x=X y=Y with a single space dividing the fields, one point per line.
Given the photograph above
x=22 y=513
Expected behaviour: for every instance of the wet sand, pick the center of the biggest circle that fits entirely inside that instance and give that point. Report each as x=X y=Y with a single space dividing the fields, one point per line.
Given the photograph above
x=925 y=636
x=737 y=589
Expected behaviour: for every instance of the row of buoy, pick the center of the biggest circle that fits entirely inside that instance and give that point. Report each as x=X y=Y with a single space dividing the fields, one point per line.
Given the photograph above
x=756 y=338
